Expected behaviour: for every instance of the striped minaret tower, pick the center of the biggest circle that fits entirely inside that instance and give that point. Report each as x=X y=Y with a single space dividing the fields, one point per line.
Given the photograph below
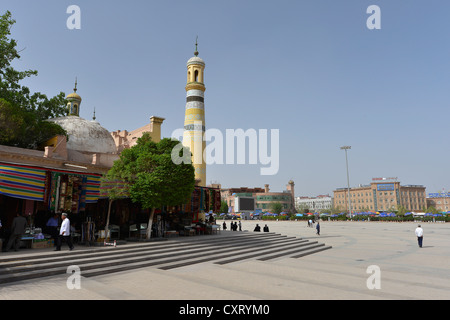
x=194 y=120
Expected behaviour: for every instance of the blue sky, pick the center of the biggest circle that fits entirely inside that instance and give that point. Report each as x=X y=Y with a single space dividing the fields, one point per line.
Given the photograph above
x=310 y=68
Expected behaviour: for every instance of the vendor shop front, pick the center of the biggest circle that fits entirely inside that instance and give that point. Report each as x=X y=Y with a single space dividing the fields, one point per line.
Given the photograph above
x=38 y=193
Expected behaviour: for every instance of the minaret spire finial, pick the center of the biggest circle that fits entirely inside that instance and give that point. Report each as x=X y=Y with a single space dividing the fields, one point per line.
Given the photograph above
x=75 y=89
x=196 y=44
x=93 y=118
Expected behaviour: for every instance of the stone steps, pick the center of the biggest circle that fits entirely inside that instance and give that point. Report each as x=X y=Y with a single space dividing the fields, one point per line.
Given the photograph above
x=166 y=255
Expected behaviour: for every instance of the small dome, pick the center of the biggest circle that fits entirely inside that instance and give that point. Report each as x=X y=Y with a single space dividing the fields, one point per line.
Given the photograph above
x=85 y=135
x=73 y=95
x=196 y=60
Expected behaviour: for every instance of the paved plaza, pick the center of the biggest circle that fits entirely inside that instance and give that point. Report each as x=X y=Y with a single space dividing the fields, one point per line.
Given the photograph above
x=343 y=272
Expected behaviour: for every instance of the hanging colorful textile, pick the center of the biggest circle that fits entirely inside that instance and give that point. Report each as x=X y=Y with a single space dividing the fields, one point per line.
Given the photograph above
x=53 y=191
x=92 y=188
x=119 y=188
x=82 y=205
x=211 y=200
x=202 y=199
x=22 y=182
x=218 y=201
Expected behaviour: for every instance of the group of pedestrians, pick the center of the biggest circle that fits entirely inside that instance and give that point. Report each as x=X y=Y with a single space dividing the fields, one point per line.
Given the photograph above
x=258 y=228
x=234 y=226
x=311 y=223
x=20 y=224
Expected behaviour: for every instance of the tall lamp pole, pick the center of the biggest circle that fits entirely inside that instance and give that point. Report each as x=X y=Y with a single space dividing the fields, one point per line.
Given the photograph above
x=348 y=180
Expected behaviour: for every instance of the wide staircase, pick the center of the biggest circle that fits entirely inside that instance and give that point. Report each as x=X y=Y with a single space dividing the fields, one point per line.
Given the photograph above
x=227 y=247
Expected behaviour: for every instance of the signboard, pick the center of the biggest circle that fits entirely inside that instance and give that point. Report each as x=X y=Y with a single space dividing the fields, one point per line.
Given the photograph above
x=385 y=187
x=439 y=195
x=244 y=204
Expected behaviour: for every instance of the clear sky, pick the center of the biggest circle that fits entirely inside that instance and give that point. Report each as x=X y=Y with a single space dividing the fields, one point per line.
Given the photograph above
x=310 y=68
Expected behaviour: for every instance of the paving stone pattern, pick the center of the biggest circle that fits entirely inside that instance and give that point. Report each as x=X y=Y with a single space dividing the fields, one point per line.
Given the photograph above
x=229 y=247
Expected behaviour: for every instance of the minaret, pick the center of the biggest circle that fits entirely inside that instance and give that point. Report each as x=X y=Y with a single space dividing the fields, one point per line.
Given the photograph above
x=194 y=120
x=73 y=105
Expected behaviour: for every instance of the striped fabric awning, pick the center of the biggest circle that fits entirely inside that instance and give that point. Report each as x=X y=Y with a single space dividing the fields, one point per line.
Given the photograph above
x=22 y=182
x=92 y=189
x=116 y=187
x=29 y=183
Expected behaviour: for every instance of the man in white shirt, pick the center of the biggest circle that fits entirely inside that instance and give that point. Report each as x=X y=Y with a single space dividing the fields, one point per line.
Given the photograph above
x=419 y=234
x=64 y=233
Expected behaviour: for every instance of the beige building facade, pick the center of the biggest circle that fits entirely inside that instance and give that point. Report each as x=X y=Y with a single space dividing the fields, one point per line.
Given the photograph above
x=441 y=201
x=381 y=196
x=126 y=139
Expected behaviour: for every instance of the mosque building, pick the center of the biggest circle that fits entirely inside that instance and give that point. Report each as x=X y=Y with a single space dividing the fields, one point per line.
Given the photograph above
x=65 y=176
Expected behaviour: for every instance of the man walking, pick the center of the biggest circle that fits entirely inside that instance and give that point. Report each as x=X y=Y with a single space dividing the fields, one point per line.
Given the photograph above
x=64 y=233
x=17 y=230
x=419 y=234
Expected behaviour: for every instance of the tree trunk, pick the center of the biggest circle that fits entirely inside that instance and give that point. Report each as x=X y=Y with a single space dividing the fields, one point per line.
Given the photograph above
x=107 y=220
x=150 y=223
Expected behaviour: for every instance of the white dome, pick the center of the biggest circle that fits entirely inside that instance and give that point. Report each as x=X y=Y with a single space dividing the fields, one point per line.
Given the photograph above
x=86 y=136
x=196 y=60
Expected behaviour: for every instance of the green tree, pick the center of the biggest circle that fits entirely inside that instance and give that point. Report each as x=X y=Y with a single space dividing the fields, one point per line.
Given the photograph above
x=223 y=207
x=23 y=114
x=153 y=179
x=432 y=209
x=115 y=189
x=401 y=210
x=303 y=208
x=335 y=210
x=276 y=207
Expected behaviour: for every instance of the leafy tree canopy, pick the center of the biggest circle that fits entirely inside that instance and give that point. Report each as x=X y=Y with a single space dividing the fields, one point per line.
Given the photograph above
x=22 y=113
x=152 y=178
x=276 y=207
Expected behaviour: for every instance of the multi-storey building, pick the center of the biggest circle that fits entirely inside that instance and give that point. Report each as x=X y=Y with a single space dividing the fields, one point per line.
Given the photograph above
x=263 y=198
x=314 y=204
x=381 y=196
x=439 y=200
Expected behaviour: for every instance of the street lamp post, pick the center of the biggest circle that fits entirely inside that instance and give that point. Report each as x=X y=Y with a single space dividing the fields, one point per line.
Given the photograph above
x=348 y=180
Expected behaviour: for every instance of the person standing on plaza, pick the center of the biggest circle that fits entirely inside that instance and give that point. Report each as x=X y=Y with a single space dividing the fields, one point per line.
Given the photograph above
x=17 y=230
x=64 y=233
x=240 y=225
x=318 y=228
x=419 y=235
